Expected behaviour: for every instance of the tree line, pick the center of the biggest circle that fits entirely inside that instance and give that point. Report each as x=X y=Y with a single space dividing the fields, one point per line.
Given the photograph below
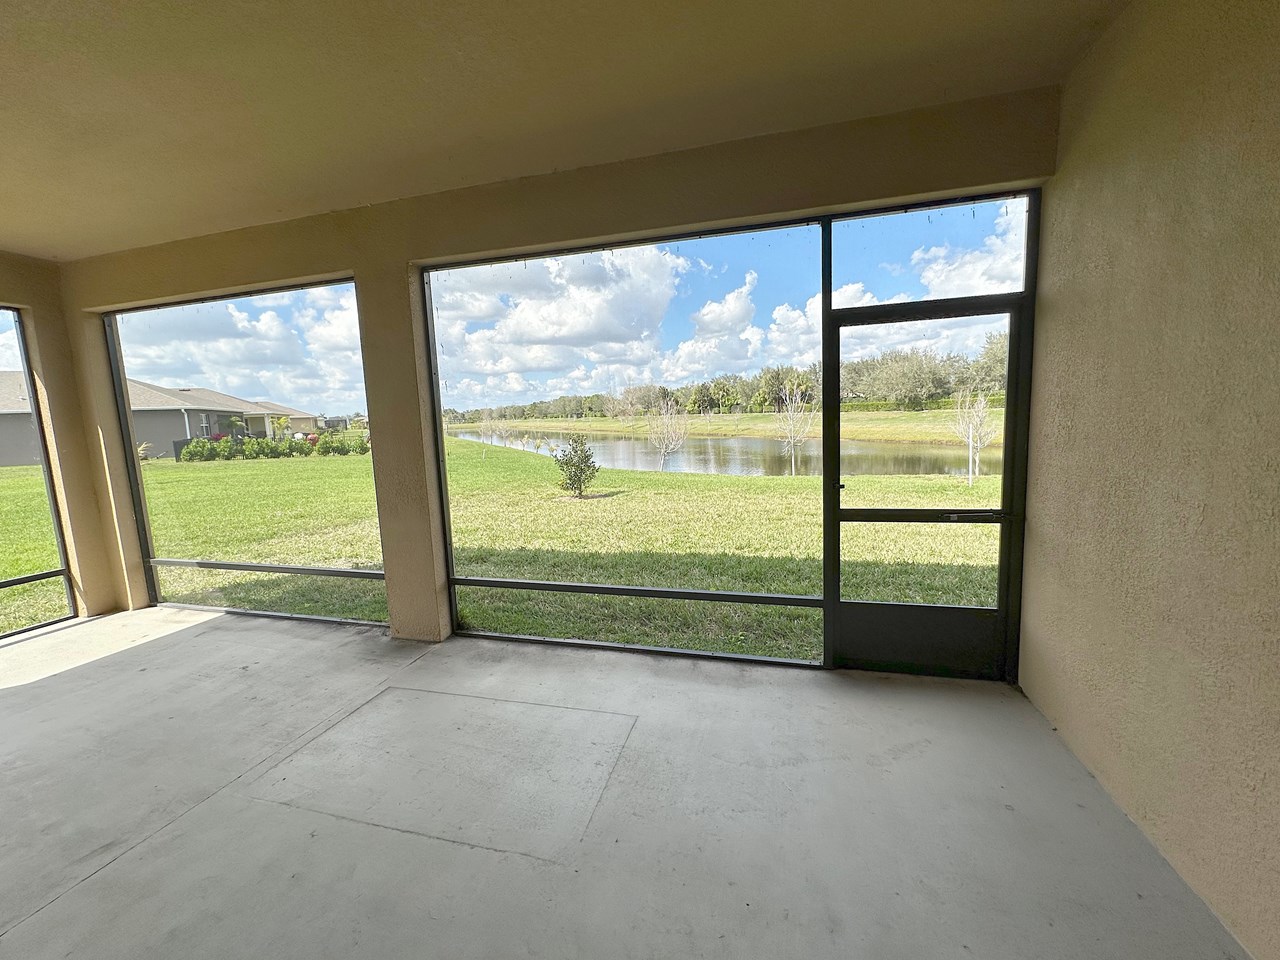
x=902 y=379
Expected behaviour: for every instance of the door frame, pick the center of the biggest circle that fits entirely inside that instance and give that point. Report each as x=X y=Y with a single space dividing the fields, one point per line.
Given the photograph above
x=979 y=642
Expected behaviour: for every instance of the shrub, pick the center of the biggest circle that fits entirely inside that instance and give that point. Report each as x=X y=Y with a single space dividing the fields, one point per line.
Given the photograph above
x=300 y=448
x=226 y=448
x=868 y=406
x=577 y=464
x=331 y=443
x=360 y=445
x=198 y=448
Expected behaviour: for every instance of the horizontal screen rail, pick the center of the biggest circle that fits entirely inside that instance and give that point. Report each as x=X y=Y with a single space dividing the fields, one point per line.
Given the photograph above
x=927 y=309
x=272 y=568
x=875 y=515
x=32 y=578
x=657 y=593
x=16 y=636
x=275 y=614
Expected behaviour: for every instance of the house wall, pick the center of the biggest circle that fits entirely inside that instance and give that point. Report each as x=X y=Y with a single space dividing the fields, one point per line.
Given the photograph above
x=160 y=428
x=1150 y=633
x=1006 y=141
x=19 y=444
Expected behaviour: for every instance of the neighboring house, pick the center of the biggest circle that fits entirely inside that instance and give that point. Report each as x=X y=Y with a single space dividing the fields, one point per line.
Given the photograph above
x=19 y=443
x=162 y=416
x=299 y=422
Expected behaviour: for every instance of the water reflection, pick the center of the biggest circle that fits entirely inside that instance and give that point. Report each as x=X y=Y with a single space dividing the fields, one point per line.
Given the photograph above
x=764 y=457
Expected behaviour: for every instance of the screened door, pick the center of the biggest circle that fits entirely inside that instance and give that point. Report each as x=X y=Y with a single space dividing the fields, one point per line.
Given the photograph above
x=922 y=551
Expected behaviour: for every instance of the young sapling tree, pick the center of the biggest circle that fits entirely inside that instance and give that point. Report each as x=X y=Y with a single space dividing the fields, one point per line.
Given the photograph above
x=577 y=464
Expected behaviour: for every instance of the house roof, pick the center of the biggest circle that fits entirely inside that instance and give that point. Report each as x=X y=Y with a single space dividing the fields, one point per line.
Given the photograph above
x=150 y=396
x=281 y=410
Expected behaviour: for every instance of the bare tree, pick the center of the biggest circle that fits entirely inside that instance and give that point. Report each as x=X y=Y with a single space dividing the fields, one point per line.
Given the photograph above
x=617 y=401
x=972 y=423
x=795 y=420
x=668 y=428
x=487 y=433
x=504 y=431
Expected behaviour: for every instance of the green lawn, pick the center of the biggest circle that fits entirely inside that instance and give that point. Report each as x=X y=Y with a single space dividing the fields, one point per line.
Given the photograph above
x=893 y=426
x=29 y=547
x=509 y=519
x=309 y=511
x=698 y=531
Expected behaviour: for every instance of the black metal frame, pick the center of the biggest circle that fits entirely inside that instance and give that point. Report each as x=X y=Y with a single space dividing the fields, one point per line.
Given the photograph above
x=1014 y=495
x=976 y=642
x=149 y=560
x=63 y=569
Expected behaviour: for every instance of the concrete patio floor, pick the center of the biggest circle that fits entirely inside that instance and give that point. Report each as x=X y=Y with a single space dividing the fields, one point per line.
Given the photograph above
x=179 y=784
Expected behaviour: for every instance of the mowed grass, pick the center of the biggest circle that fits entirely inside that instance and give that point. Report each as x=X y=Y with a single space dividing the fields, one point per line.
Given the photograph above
x=509 y=519
x=26 y=531
x=891 y=426
x=698 y=531
x=312 y=511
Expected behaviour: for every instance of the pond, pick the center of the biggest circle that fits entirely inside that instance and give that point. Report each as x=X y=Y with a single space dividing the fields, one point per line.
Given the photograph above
x=765 y=457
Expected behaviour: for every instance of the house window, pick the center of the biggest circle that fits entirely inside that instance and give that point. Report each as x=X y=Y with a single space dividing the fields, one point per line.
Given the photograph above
x=204 y=425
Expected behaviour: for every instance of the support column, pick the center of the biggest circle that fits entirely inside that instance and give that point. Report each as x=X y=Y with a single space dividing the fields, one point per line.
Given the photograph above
x=402 y=424
x=33 y=286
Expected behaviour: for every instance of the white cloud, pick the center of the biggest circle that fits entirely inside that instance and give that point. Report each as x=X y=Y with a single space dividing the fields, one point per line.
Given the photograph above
x=725 y=339
x=9 y=358
x=964 y=335
x=577 y=321
x=795 y=336
x=306 y=353
x=995 y=267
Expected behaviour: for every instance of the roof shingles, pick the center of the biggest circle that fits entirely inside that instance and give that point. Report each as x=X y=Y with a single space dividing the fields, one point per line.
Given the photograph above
x=149 y=396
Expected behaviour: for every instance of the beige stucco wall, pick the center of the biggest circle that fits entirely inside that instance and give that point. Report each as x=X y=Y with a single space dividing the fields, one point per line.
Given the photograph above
x=32 y=286
x=1002 y=141
x=1152 y=579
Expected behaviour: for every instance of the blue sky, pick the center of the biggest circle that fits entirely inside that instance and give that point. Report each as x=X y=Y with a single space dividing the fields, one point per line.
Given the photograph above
x=679 y=312
x=667 y=313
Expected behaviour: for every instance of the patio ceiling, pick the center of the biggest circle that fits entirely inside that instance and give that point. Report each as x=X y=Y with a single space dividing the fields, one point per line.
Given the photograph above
x=125 y=124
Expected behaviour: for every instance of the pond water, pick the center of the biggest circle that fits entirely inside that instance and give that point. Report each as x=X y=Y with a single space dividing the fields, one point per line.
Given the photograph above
x=764 y=457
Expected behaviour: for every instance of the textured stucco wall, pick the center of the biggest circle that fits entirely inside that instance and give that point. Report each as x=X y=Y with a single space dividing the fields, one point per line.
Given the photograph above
x=1150 y=630
x=33 y=288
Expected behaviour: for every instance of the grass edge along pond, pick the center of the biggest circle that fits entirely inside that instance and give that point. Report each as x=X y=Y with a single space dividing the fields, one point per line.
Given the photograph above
x=889 y=426
x=509 y=519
